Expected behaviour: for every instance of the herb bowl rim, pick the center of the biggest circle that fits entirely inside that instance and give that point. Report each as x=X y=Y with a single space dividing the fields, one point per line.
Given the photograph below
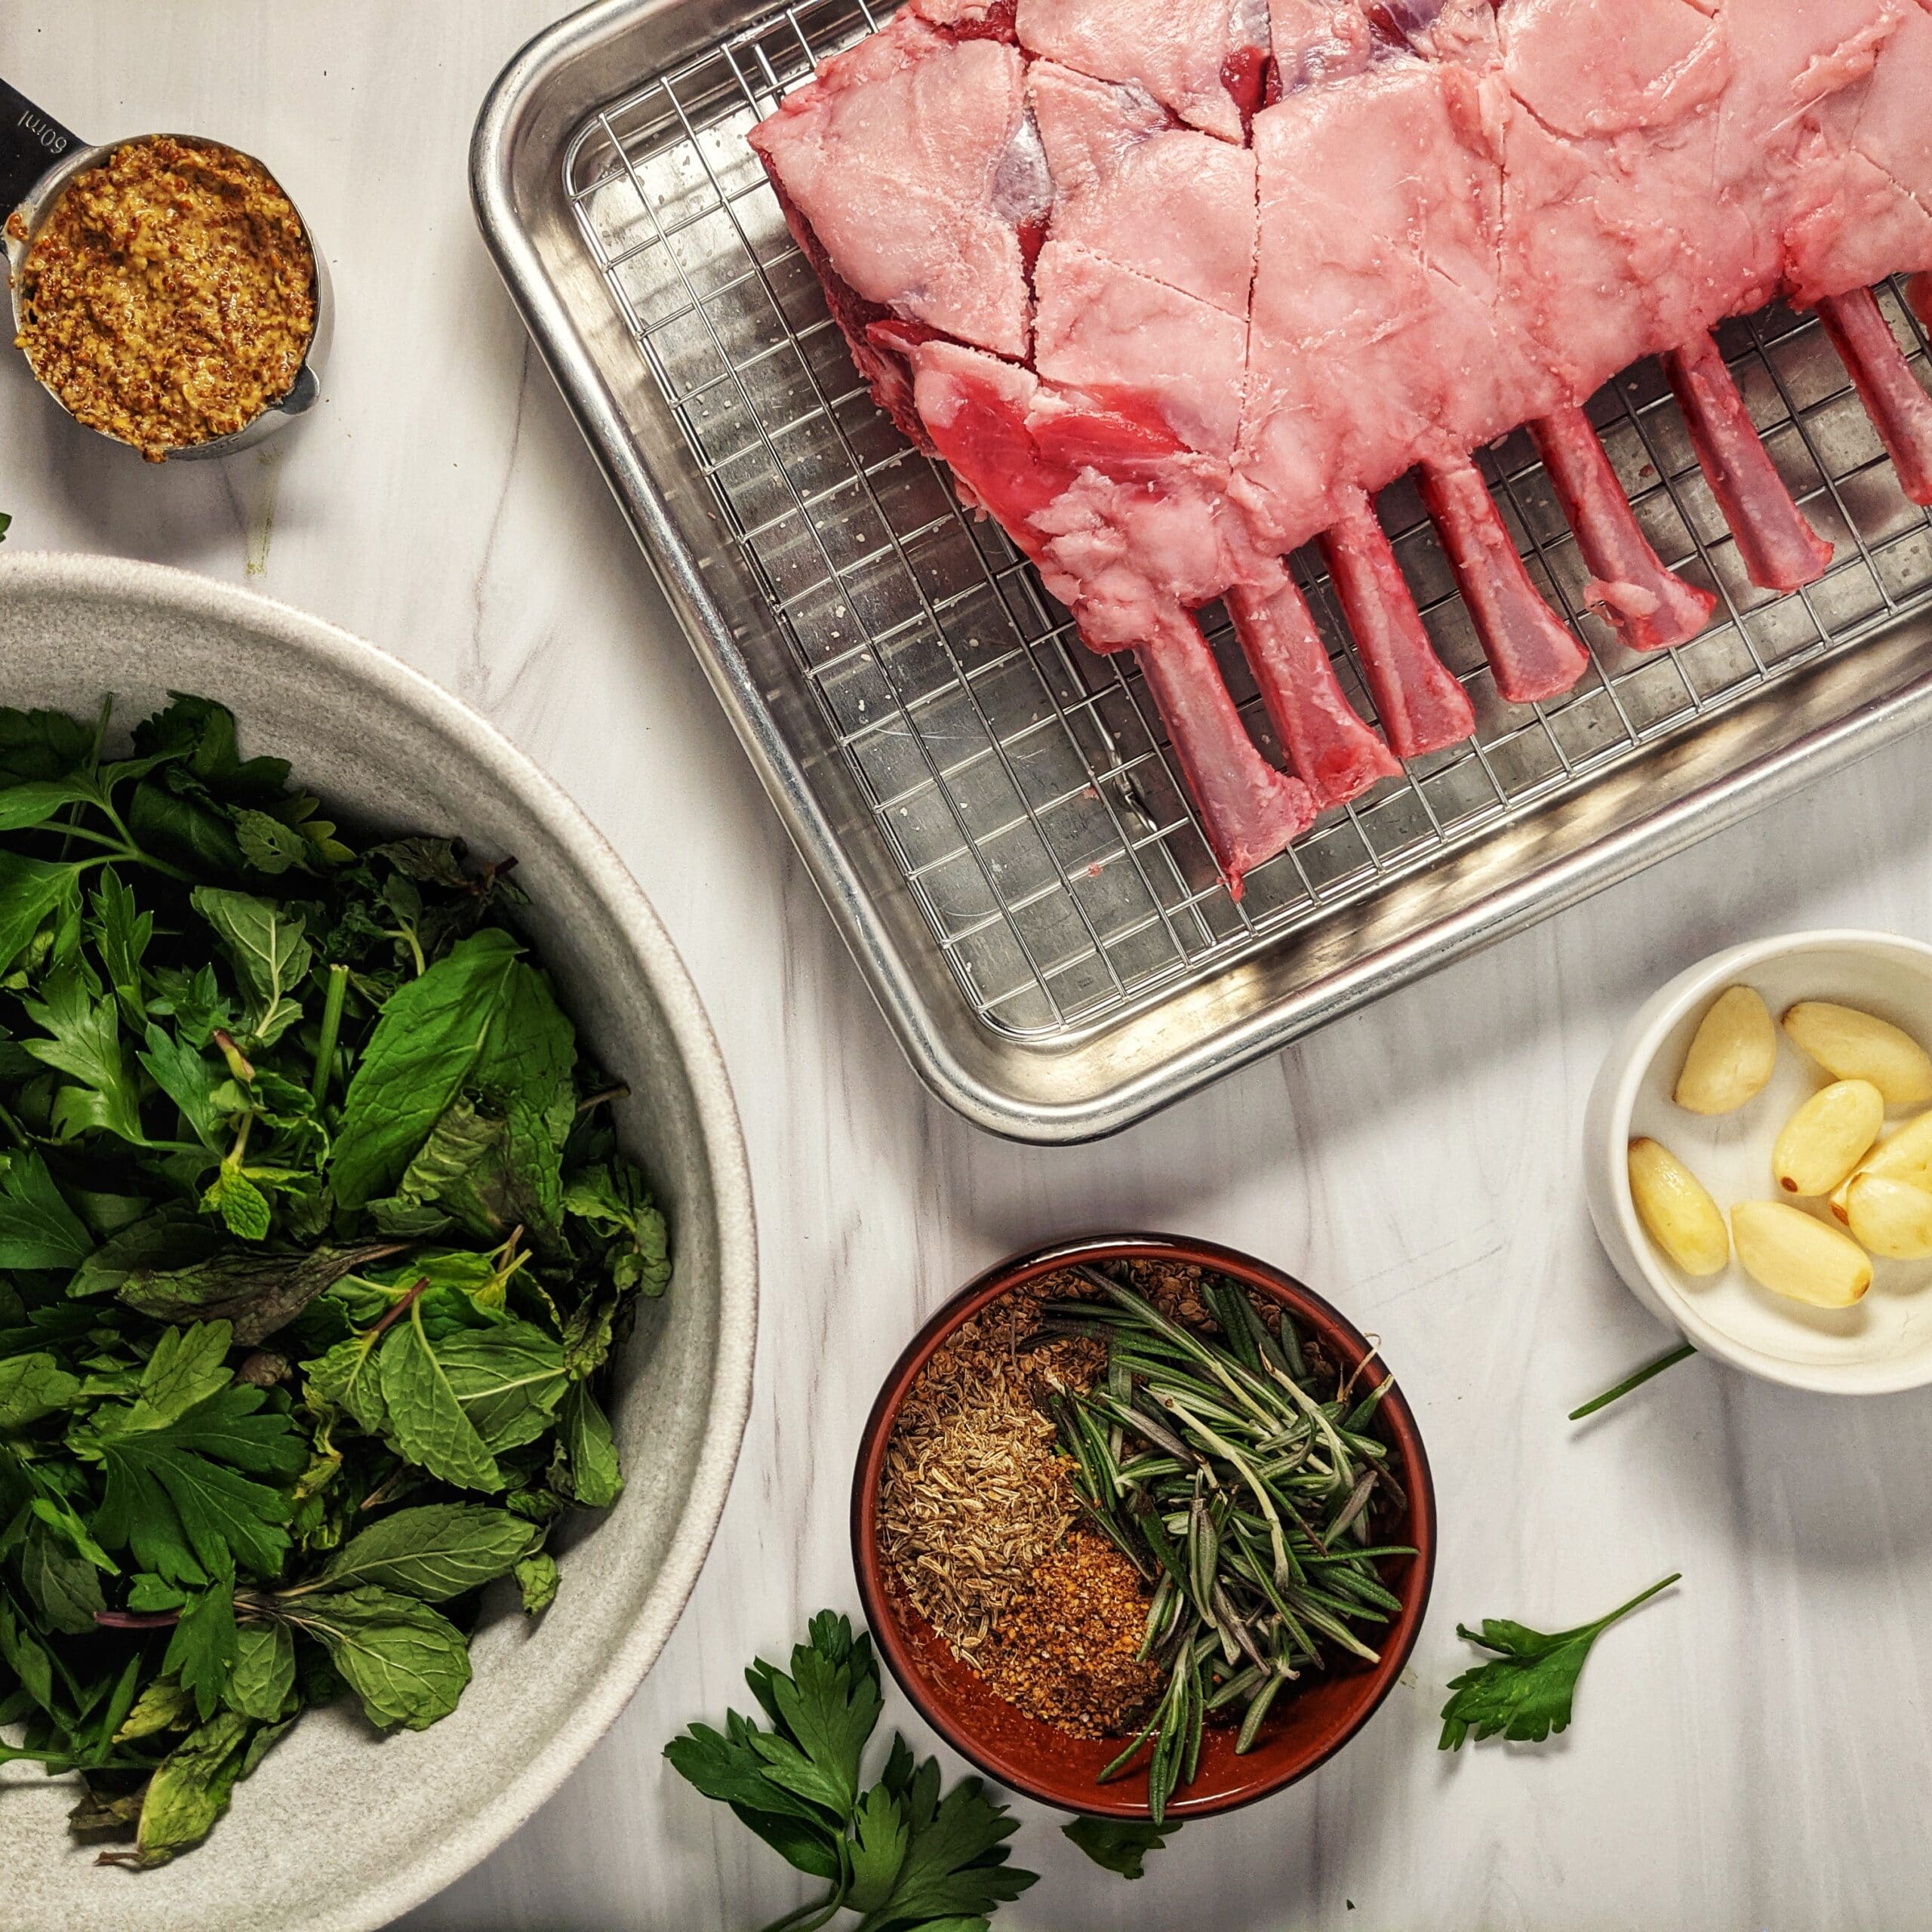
x=1319 y=1316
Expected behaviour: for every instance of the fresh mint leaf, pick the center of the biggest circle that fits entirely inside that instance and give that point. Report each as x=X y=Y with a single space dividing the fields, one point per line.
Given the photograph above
x=612 y=1197
x=163 y=1706
x=268 y=844
x=243 y=1206
x=432 y=1035
x=537 y=1578
x=189 y=1792
x=63 y=1586
x=261 y=1683
x=425 y=1418
x=435 y=1552
x=590 y=1452
x=265 y=943
x=1526 y=1691
x=1120 y=1844
x=407 y=1662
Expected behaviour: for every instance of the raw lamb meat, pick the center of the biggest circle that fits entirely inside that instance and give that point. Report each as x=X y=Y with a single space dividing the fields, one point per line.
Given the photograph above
x=1177 y=286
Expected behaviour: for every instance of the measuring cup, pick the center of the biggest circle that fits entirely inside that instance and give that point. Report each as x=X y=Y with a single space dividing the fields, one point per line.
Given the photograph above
x=38 y=157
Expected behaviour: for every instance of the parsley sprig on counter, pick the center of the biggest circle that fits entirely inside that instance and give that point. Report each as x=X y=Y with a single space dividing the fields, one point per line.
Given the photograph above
x=898 y=1853
x=1524 y=1692
x=314 y=1245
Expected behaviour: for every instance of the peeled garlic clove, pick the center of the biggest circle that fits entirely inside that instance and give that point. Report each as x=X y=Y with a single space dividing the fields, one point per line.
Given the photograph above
x=1852 y=1045
x=1827 y=1137
x=1787 y=1250
x=1905 y=1155
x=1732 y=1056
x=1839 y=1201
x=1680 y=1216
x=1890 y=1217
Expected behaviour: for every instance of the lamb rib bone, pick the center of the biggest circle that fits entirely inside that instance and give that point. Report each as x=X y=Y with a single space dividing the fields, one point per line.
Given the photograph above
x=1780 y=549
x=1422 y=706
x=1900 y=410
x=1650 y=606
x=1531 y=651
x=1333 y=753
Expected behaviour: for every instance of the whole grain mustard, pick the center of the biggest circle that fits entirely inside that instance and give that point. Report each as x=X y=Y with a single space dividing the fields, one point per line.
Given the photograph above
x=169 y=296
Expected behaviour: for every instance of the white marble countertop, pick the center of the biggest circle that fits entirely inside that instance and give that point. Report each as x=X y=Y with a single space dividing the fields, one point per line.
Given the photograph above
x=1752 y=1751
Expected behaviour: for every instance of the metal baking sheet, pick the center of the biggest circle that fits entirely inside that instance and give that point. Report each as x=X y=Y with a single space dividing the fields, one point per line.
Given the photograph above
x=991 y=810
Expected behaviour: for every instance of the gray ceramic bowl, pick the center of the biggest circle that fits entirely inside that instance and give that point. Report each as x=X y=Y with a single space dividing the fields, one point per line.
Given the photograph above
x=338 y=1830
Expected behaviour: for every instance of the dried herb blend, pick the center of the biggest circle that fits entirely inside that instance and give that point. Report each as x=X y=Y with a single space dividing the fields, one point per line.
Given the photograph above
x=1192 y=1531
x=169 y=298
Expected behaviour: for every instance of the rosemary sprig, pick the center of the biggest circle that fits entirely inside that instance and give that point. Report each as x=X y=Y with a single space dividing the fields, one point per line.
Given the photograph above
x=1241 y=1492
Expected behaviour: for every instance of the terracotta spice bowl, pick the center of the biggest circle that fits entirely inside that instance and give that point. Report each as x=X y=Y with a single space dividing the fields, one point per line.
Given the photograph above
x=1307 y=1725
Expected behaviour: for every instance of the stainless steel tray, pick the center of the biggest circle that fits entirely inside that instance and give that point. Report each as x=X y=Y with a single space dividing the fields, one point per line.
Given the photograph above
x=990 y=810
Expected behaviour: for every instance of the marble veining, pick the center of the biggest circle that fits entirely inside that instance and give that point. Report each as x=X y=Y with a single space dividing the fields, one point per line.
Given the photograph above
x=1752 y=1751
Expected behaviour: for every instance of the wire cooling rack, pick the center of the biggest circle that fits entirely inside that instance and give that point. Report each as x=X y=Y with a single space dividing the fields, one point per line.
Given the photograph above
x=1022 y=784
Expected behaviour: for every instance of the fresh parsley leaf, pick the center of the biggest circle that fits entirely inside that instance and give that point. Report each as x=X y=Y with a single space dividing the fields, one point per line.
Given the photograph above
x=1525 y=1693
x=38 y=1229
x=86 y=1045
x=30 y=890
x=1120 y=1844
x=32 y=1388
x=201 y=1651
x=897 y=1852
x=180 y=1463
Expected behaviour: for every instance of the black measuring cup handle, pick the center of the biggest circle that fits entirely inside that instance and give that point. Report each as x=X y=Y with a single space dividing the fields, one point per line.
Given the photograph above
x=31 y=141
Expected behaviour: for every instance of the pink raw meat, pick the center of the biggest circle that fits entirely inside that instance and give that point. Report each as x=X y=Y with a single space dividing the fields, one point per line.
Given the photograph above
x=1120 y=336
x=1428 y=222
x=1380 y=218
x=909 y=160
x=1205 y=59
x=1129 y=184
